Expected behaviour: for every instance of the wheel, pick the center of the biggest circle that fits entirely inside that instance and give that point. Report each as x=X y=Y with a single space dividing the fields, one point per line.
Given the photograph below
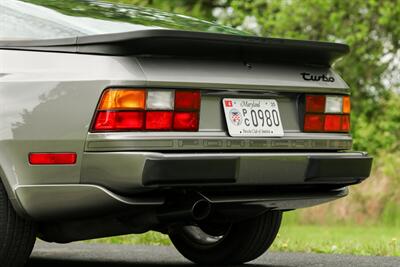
x=17 y=235
x=233 y=243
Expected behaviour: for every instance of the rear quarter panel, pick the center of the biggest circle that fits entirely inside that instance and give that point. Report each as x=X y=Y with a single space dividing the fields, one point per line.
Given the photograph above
x=46 y=104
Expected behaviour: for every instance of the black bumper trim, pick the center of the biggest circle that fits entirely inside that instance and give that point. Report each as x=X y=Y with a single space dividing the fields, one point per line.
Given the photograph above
x=189 y=171
x=331 y=169
x=263 y=170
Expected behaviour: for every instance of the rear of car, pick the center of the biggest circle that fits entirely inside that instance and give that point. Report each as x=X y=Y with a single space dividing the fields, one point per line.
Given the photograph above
x=207 y=137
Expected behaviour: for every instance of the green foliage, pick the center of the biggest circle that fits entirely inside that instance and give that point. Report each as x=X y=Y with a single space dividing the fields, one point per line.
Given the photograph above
x=196 y=8
x=379 y=130
x=391 y=215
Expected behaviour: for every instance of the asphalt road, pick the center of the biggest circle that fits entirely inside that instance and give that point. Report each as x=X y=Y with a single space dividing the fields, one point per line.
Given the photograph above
x=99 y=255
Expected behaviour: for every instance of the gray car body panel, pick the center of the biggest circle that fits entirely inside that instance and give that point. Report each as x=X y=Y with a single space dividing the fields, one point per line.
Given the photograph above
x=74 y=202
x=48 y=101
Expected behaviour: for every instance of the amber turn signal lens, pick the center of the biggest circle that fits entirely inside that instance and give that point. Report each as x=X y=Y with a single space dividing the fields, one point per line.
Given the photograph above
x=346 y=105
x=123 y=99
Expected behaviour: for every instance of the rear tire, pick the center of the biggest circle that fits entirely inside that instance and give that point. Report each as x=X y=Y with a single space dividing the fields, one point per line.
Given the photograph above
x=242 y=242
x=17 y=235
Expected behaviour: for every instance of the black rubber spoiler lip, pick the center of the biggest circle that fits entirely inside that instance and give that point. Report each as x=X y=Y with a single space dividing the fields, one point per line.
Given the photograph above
x=187 y=43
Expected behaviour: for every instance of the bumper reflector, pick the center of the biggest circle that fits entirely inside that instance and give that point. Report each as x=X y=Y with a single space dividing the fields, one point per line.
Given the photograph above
x=52 y=158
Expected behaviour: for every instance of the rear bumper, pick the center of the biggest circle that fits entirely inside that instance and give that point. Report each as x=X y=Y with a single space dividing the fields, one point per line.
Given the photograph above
x=110 y=180
x=73 y=202
x=127 y=172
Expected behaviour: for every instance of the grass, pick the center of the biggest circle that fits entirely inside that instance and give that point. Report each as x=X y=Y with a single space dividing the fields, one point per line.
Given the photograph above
x=348 y=239
x=341 y=239
x=149 y=238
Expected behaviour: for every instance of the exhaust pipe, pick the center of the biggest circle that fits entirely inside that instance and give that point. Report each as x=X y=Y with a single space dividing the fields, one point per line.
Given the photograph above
x=194 y=210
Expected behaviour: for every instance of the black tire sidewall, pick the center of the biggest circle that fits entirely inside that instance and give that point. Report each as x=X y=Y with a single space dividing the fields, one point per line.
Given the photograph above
x=242 y=243
x=17 y=235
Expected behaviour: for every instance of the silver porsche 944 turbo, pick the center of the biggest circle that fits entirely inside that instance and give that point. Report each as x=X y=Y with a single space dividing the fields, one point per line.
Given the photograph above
x=116 y=119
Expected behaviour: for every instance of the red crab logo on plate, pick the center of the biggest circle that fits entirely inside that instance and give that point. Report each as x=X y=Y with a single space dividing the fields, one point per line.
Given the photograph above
x=235 y=116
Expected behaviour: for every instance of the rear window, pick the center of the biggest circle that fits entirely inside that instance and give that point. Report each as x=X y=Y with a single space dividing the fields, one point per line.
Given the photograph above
x=53 y=19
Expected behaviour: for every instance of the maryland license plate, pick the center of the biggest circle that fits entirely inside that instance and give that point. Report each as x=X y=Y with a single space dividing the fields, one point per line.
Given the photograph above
x=252 y=117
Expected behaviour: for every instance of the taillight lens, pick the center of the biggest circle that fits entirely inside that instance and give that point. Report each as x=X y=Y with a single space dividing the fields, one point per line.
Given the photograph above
x=119 y=120
x=148 y=110
x=315 y=103
x=314 y=123
x=327 y=113
x=160 y=100
x=159 y=120
x=333 y=123
x=186 y=121
x=123 y=99
x=345 y=123
x=187 y=100
x=346 y=105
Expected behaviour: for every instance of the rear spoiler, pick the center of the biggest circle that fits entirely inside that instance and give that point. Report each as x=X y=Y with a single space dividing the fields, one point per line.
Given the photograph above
x=162 y=42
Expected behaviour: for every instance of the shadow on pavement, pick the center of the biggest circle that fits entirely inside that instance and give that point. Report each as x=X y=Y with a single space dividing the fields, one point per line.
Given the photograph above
x=40 y=262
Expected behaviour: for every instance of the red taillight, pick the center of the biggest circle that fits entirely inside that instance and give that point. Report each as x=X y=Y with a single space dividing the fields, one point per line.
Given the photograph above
x=186 y=121
x=187 y=100
x=330 y=113
x=313 y=123
x=148 y=110
x=52 y=158
x=315 y=103
x=345 y=123
x=119 y=120
x=159 y=120
x=333 y=123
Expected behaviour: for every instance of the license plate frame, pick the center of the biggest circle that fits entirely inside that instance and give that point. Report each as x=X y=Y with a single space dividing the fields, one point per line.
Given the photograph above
x=250 y=117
